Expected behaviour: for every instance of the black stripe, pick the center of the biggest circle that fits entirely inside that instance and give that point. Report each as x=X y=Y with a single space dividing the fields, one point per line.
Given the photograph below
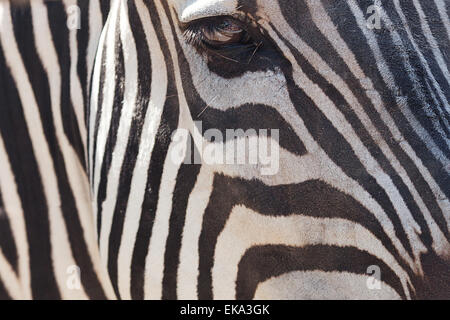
x=4 y=295
x=82 y=43
x=186 y=179
x=435 y=285
x=104 y=8
x=248 y=116
x=263 y=262
x=7 y=243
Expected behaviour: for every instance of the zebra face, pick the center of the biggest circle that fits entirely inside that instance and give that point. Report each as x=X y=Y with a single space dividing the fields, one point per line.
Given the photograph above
x=360 y=175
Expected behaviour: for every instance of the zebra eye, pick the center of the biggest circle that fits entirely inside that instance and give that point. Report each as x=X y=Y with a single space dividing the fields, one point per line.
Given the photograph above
x=216 y=33
x=226 y=33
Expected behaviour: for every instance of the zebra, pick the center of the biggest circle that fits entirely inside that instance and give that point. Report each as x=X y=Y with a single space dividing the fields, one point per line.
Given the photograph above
x=358 y=91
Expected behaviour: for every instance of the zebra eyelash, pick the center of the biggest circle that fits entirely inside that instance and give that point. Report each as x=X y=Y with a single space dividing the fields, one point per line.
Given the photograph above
x=195 y=34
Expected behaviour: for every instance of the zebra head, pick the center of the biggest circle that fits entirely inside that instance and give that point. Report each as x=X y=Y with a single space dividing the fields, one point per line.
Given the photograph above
x=351 y=98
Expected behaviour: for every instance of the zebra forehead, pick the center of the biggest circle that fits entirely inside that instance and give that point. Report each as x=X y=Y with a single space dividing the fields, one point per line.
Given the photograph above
x=189 y=10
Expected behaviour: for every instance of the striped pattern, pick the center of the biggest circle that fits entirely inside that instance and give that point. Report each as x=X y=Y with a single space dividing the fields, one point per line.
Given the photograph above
x=46 y=206
x=364 y=152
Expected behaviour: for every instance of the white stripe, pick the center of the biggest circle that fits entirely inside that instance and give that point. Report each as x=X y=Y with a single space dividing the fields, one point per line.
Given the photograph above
x=188 y=270
x=154 y=262
x=321 y=285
